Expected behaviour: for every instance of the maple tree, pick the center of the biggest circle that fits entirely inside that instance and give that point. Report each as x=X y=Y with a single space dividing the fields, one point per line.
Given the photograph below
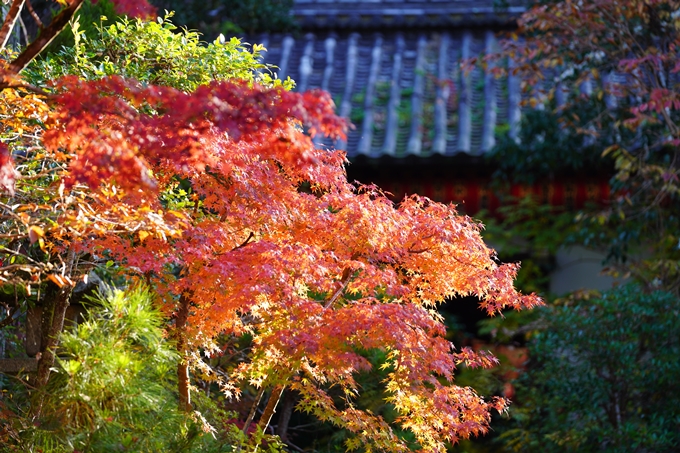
x=214 y=193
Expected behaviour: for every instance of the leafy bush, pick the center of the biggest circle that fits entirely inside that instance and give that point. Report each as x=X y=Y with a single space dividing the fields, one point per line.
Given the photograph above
x=604 y=377
x=113 y=389
x=152 y=52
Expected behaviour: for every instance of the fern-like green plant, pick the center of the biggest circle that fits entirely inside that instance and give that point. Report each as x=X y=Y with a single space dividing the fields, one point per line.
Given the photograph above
x=113 y=389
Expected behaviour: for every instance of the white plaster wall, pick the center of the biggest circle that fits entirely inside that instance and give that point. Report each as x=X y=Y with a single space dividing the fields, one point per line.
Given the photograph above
x=578 y=268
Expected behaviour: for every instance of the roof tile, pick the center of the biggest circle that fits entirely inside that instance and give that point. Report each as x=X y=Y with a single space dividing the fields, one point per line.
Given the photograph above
x=397 y=76
x=404 y=92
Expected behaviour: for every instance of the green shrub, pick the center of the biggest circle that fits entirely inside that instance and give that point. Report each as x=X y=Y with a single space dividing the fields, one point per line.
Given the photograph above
x=604 y=377
x=113 y=389
x=152 y=52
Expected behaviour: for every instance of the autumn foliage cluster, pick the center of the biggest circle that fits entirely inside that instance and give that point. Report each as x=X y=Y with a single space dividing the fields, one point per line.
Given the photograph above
x=217 y=198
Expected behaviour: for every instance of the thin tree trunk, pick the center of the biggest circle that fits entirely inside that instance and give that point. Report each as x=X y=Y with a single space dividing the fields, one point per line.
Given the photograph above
x=183 y=365
x=253 y=410
x=10 y=21
x=271 y=407
x=54 y=324
x=286 y=413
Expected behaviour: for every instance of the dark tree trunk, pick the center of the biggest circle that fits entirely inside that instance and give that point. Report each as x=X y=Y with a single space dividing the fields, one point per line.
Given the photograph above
x=286 y=413
x=183 y=365
x=52 y=324
x=53 y=317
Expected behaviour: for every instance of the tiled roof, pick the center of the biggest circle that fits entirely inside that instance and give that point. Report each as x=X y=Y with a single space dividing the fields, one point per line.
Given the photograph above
x=401 y=86
x=404 y=92
x=352 y=14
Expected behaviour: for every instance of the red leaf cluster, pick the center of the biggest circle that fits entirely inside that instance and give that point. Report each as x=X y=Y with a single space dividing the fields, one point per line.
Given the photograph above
x=7 y=172
x=118 y=129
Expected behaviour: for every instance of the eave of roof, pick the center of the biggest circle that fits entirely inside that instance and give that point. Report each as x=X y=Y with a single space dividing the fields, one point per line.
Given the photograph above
x=394 y=71
x=357 y=20
x=355 y=15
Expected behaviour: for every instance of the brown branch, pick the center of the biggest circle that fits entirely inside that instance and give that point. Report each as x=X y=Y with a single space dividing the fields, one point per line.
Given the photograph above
x=244 y=243
x=8 y=83
x=274 y=399
x=48 y=34
x=19 y=254
x=18 y=378
x=253 y=409
x=13 y=236
x=416 y=251
x=36 y=18
x=10 y=21
x=10 y=317
x=346 y=275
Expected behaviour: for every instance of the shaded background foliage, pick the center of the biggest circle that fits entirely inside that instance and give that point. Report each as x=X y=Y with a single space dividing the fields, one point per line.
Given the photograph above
x=602 y=376
x=601 y=365
x=212 y=17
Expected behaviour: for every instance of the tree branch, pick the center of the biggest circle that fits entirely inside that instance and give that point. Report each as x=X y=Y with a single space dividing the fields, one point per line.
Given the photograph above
x=253 y=409
x=10 y=317
x=346 y=275
x=46 y=36
x=10 y=21
x=271 y=407
x=36 y=18
x=417 y=251
x=244 y=243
